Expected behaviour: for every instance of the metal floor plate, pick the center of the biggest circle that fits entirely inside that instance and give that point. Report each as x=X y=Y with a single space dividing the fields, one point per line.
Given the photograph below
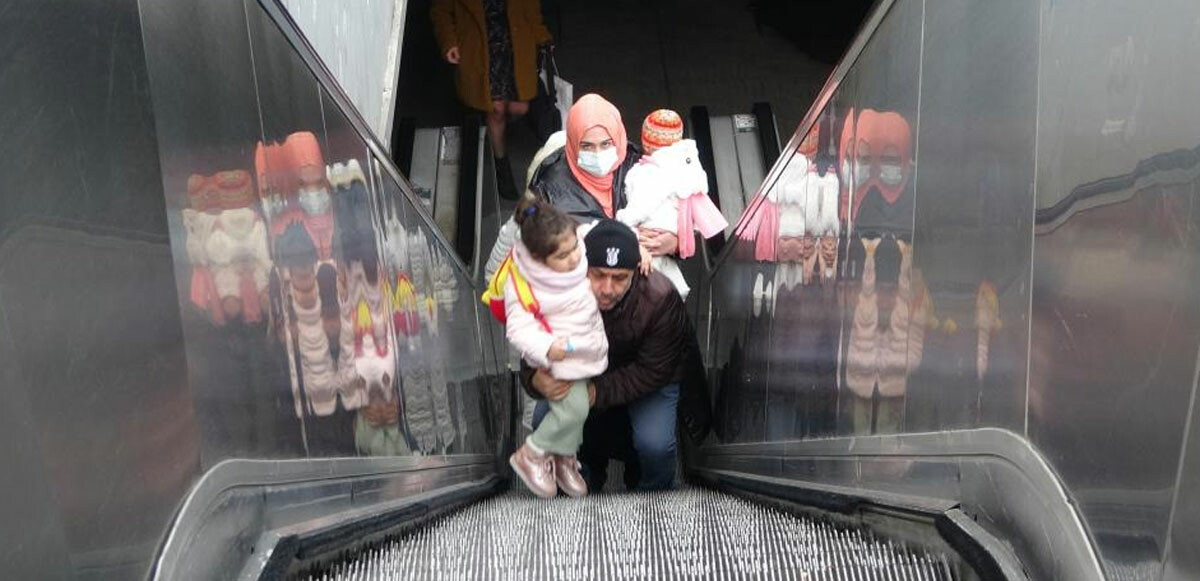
x=683 y=534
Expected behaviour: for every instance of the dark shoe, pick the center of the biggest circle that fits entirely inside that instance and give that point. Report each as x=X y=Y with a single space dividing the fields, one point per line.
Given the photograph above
x=505 y=185
x=632 y=475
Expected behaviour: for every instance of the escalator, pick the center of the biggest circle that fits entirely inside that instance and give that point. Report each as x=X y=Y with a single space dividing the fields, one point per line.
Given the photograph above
x=456 y=514
x=683 y=534
x=875 y=417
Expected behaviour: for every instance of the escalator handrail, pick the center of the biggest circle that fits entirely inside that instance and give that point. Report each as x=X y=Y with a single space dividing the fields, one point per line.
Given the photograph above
x=322 y=75
x=874 y=19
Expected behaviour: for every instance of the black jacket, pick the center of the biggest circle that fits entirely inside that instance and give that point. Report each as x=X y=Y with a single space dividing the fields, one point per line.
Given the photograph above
x=651 y=344
x=554 y=182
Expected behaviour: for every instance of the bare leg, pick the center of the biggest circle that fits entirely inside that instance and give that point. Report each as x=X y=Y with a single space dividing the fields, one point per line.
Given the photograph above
x=517 y=109
x=497 y=122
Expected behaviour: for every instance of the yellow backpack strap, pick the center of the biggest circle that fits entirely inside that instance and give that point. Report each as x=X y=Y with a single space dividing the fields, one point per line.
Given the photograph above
x=495 y=287
x=528 y=299
x=493 y=295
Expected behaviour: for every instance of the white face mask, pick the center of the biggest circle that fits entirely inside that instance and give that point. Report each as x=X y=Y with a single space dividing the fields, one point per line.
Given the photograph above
x=862 y=172
x=598 y=163
x=315 y=201
x=891 y=174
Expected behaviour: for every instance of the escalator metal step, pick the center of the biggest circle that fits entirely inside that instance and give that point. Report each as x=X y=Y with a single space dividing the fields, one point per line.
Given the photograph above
x=684 y=534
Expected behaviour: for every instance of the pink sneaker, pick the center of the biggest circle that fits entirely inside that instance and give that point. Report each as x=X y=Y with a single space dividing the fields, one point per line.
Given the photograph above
x=566 y=472
x=535 y=469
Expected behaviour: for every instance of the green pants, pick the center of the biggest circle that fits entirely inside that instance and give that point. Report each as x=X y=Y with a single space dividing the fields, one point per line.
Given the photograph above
x=561 y=431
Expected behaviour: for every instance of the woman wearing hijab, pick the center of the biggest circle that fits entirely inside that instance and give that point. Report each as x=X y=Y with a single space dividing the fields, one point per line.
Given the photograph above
x=586 y=178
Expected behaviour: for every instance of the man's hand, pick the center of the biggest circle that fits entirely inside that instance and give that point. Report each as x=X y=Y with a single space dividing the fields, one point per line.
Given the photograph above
x=550 y=388
x=452 y=55
x=591 y=394
x=658 y=242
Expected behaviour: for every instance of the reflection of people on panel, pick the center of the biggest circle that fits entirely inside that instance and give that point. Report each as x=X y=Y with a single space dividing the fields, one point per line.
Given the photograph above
x=297 y=257
x=876 y=159
x=227 y=245
x=804 y=348
x=790 y=197
x=987 y=323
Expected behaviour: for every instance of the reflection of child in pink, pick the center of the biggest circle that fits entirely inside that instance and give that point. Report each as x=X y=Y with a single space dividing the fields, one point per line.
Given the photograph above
x=668 y=190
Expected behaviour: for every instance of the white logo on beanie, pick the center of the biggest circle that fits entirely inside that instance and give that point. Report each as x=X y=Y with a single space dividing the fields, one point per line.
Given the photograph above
x=613 y=253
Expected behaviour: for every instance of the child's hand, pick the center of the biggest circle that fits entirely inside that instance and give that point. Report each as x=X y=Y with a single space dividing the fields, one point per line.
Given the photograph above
x=645 y=266
x=558 y=350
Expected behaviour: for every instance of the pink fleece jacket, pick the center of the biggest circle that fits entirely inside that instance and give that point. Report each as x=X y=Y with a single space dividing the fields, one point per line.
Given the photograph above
x=570 y=309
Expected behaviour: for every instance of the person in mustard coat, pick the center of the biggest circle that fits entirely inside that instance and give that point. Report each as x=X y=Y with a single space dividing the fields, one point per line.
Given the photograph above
x=493 y=45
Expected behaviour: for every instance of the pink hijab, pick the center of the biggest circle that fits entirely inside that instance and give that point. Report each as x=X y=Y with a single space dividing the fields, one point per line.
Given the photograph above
x=590 y=111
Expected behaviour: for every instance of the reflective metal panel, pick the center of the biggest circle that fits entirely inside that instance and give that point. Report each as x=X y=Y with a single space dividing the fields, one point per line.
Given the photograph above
x=1183 y=561
x=1115 y=318
x=994 y=475
x=975 y=187
x=740 y=312
x=208 y=122
x=99 y=438
x=169 y=267
x=1017 y=250
x=881 y=160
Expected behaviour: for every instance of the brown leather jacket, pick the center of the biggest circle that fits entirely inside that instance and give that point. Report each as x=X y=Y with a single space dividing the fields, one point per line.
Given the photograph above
x=651 y=344
x=646 y=339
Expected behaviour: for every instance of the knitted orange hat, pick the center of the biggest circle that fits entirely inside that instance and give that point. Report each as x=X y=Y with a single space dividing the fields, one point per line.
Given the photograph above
x=203 y=193
x=236 y=191
x=660 y=129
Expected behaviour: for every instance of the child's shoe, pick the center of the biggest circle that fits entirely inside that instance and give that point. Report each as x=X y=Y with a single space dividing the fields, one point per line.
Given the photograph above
x=536 y=470
x=566 y=472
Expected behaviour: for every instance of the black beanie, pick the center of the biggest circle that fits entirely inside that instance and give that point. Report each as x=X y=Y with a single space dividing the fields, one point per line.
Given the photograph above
x=612 y=244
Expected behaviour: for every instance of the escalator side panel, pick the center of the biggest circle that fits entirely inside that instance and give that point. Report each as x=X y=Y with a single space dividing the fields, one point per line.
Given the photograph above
x=730 y=185
x=751 y=158
x=974 y=175
x=426 y=153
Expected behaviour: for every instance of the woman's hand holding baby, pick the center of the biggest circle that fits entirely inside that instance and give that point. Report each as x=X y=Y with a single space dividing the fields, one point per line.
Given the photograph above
x=658 y=242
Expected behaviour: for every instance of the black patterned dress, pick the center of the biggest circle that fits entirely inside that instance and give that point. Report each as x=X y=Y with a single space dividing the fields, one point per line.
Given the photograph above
x=500 y=53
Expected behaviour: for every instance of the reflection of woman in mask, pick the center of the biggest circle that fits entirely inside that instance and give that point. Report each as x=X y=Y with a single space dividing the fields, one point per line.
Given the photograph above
x=882 y=160
x=586 y=178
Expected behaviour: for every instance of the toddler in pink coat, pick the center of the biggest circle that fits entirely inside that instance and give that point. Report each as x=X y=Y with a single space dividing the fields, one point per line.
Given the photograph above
x=554 y=322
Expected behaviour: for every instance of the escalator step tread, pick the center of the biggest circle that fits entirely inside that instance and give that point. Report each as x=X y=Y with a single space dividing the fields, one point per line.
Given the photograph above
x=682 y=534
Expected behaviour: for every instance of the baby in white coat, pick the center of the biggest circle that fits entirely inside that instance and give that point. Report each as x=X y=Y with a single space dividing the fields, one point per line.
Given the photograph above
x=668 y=190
